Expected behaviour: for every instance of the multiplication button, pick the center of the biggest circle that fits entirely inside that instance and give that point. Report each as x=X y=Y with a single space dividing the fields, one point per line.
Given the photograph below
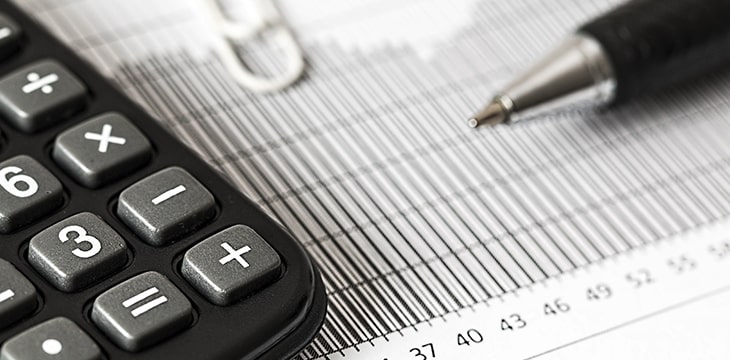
x=17 y=294
x=101 y=150
x=231 y=265
x=55 y=339
x=27 y=192
x=142 y=311
x=77 y=252
x=40 y=94
x=165 y=206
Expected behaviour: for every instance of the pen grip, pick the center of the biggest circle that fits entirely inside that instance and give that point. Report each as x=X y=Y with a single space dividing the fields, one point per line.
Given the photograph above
x=653 y=44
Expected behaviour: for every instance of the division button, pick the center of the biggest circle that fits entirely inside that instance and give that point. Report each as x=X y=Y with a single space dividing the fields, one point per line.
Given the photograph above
x=165 y=206
x=230 y=265
x=55 y=339
x=40 y=94
x=101 y=150
x=142 y=311
x=77 y=252
x=18 y=296
x=27 y=192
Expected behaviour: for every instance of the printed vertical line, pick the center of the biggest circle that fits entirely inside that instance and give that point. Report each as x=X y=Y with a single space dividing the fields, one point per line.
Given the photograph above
x=359 y=315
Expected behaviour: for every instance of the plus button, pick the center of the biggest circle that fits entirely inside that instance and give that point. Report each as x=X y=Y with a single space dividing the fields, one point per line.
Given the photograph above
x=234 y=254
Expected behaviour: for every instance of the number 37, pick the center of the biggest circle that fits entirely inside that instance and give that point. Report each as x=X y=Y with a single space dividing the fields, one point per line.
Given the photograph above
x=425 y=352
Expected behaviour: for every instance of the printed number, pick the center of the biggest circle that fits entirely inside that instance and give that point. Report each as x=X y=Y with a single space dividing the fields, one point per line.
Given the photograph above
x=512 y=322
x=471 y=336
x=81 y=237
x=682 y=264
x=639 y=278
x=599 y=292
x=13 y=183
x=426 y=351
x=556 y=307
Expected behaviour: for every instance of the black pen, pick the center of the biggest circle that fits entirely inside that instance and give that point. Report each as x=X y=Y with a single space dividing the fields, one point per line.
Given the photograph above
x=638 y=48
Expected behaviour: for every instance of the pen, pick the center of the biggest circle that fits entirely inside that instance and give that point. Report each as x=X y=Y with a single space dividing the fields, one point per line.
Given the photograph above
x=638 y=48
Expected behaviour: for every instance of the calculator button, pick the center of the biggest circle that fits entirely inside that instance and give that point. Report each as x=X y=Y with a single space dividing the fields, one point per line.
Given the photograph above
x=9 y=36
x=142 y=311
x=27 y=192
x=165 y=206
x=40 y=94
x=77 y=252
x=17 y=294
x=101 y=150
x=231 y=265
x=56 y=339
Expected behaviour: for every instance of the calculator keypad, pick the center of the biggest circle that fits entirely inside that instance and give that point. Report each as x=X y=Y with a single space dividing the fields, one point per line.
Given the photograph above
x=27 y=192
x=101 y=150
x=56 y=339
x=69 y=250
x=39 y=95
x=77 y=252
x=165 y=206
x=230 y=265
x=142 y=311
x=18 y=296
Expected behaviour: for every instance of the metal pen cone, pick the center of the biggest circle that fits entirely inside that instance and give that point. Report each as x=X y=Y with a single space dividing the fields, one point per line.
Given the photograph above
x=493 y=114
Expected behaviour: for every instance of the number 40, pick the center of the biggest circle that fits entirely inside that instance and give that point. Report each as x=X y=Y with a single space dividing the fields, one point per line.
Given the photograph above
x=471 y=336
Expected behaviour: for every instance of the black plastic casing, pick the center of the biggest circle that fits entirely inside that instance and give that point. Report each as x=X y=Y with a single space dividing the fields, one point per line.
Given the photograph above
x=654 y=44
x=273 y=323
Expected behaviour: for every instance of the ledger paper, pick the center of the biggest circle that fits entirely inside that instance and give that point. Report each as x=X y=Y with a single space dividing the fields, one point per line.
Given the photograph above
x=368 y=161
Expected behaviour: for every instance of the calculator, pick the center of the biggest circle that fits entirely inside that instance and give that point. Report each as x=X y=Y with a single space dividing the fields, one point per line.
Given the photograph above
x=116 y=241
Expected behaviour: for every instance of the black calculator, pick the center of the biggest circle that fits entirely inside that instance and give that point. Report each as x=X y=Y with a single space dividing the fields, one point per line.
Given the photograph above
x=116 y=241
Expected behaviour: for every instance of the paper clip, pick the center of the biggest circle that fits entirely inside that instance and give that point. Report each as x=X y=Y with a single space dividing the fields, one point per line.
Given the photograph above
x=267 y=18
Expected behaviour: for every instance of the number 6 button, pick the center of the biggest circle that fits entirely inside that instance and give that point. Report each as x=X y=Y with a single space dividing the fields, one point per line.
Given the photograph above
x=27 y=192
x=77 y=252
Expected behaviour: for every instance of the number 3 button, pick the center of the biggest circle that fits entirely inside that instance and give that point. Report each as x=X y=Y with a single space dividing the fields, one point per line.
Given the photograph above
x=27 y=192
x=77 y=252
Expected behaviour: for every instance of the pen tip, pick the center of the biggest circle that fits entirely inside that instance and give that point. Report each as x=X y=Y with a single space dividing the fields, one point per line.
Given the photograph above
x=491 y=115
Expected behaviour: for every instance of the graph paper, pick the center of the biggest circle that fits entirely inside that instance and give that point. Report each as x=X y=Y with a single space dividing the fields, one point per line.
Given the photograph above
x=410 y=214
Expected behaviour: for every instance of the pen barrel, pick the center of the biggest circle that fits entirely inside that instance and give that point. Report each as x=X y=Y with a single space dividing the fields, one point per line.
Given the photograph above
x=654 y=44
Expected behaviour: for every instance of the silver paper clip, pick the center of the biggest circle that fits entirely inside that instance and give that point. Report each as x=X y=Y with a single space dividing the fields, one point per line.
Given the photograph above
x=266 y=17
